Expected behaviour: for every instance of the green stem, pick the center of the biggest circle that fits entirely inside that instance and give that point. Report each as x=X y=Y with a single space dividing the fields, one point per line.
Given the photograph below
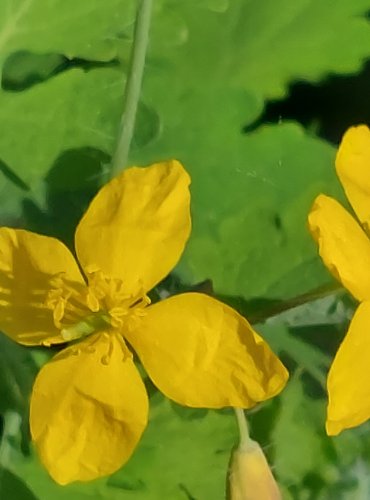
x=133 y=86
x=12 y=423
x=280 y=307
x=243 y=429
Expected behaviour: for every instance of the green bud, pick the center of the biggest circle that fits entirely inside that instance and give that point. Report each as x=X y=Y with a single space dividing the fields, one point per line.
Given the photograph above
x=250 y=477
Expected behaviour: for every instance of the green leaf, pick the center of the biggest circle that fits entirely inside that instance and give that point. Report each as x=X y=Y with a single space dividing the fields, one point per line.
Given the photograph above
x=23 y=69
x=88 y=29
x=50 y=118
x=13 y=488
x=203 y=98
x=178 y=457
x=309 y=463
x=250 y=194
x=308 y=357
x=252 y=190
x=17 y=371
x=212 y=66
x=306 y=333
x=57 y=116
x=298 y=435
x=258 y=45
x=215 y=5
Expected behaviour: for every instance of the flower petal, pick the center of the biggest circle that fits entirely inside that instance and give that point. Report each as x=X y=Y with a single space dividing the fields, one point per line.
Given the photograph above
x=201 y=353
x=343 y=245
x=348 y=380
x=353 y=169
x=136 y=227
x=27 y=263
x=89 y=408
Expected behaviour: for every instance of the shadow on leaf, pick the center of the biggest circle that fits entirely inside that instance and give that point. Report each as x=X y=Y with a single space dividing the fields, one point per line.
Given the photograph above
x=13 y=488
x=71 y=183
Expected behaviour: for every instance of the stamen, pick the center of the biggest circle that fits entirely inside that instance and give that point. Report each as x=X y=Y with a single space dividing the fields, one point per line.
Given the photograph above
x=127 y=354
x=137 y=302
x=140 y=312
x=105 y=360
x=92 y=301
x=79 y=310
x=59 y=309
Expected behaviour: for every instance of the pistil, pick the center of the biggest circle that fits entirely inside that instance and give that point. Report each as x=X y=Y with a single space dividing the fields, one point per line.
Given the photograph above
x=90 y=324
x=101 y=305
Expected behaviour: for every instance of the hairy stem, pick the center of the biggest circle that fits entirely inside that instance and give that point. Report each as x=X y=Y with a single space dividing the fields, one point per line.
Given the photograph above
x=243 y=429
x=286 y=305
x=133 y=86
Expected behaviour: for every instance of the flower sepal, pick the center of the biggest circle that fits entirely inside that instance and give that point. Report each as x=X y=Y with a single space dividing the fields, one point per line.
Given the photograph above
x=250 y=477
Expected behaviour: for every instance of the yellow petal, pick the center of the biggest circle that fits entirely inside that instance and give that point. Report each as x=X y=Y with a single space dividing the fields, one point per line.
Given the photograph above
x=353 y=169
x=88 y=409
x=348 y=380
x=27 y=263
x=201 y=353
x=136 y=227
x=343 y=245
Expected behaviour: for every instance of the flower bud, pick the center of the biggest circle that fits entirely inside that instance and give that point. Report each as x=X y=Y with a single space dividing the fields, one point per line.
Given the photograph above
x=250 y=477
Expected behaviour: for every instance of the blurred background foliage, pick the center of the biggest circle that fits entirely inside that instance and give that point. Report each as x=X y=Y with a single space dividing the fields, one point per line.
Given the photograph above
x=252 y=96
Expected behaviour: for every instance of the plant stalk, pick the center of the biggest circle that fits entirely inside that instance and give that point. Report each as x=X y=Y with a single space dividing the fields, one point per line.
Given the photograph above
x=244 y=438
x=133 y=86
x=285 y=305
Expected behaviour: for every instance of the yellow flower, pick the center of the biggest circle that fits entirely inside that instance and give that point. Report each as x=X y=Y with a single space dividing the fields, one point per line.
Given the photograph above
x=345 y=249
x=89 y=406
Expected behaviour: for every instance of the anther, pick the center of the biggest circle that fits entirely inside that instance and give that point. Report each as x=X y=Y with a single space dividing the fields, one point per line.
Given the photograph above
x=126 y=353
x=59 y=309
x=92 y=302
x=105 y=359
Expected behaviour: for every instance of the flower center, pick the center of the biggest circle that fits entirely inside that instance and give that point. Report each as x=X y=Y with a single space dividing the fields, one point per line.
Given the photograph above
x=80 y=310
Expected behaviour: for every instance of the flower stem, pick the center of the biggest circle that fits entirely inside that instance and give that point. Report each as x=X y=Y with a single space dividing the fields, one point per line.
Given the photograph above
x=245 y=439
x=286 y=305
x=133 y=86
x=12 y=424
